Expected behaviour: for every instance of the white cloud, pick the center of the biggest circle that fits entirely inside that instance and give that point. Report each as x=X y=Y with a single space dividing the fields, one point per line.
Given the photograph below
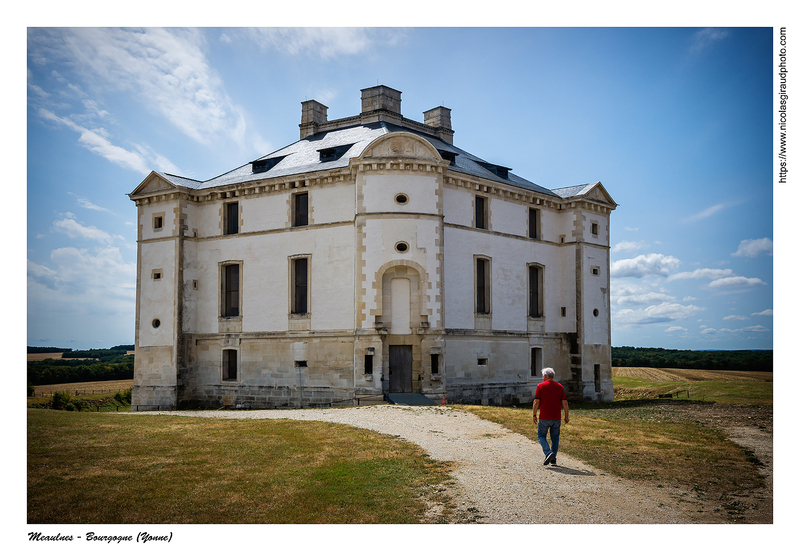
x=767 y=312
x=628 y=246
x=737 y=281
x=704 y=38
x=661 y=313
x=702 y=273
x=751 y=329
x=96 y=142
x=710 y=211
x=84 y=281
x=326 y=42
x=753 y=247
x=734 y=317
x=675 y=328
x=166 y=69
x=76 y=230
x=644 y=265
x=85 y=203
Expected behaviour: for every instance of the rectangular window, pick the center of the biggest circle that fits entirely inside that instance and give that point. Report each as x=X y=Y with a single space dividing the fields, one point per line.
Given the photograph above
x=533 y=223
x=536 y=362
x=300 y=286
x=594 y=228
x=563 y=311
x=482 y=286
x=231 y=222
x=158 y=222
x=434 y=364
x=229 y=365
x=300 y=215
x=368 y=365
x=597 y=381
x=535 y=291
x=480 y=212
x=230 y=290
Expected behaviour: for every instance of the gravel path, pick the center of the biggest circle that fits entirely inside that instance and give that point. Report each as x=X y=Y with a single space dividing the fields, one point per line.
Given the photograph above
x=500 y=473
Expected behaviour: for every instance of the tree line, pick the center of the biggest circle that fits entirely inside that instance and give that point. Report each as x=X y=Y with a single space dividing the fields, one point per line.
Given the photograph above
x=105 y=364
x=732 y=360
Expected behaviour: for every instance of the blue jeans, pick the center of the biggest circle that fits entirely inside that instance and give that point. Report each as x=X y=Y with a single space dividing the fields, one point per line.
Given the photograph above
x=555 y=430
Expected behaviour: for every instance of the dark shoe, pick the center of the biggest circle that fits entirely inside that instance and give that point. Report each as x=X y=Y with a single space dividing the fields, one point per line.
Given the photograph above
x=549 y=458
x=553 y=463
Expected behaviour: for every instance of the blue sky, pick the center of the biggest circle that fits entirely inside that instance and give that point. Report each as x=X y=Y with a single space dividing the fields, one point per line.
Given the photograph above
x=677 y=123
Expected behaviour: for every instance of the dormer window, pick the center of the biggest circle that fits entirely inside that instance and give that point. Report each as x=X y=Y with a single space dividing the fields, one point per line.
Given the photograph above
x=498 y=170
x=263 y=165
x=333 y=153
x=448 y=156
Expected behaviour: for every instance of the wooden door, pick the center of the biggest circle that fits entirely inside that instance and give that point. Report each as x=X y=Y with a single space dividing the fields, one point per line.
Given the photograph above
x=400 y=368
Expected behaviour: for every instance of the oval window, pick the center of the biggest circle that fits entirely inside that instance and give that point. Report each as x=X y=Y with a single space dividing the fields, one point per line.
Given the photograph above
x=401 y=198
x=156 y=323
x=596 y=312
x=401 y=247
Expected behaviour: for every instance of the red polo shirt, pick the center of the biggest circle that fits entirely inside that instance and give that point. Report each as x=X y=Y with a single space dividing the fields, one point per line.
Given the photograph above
x=550 y=394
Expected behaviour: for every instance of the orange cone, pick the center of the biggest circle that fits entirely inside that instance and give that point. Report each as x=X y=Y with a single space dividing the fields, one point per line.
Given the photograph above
x=444 y=400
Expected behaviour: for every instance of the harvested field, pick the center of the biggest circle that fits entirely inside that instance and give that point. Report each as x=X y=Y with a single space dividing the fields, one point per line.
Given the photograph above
x=655 y=374
x=39 y=356
x=82 y=389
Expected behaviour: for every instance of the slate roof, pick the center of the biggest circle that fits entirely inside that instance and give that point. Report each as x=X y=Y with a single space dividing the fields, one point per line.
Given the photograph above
x=303 y=157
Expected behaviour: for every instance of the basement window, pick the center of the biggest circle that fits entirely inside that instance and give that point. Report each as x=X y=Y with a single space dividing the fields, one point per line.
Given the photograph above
x=301 y=363
x=333 y=153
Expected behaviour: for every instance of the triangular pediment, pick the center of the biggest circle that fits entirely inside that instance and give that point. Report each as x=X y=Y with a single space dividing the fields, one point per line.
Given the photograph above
x=154 y=183
x=597 y=192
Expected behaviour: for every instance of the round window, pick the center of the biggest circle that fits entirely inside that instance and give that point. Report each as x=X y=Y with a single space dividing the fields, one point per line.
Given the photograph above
x=401 y=198
x=401 y=247
x=156 y=323
x=596 y=312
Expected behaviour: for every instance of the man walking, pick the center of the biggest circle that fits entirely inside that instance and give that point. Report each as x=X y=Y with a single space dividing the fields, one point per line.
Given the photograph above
x=549 y=398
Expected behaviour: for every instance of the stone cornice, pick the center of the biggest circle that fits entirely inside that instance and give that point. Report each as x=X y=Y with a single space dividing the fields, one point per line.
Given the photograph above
x=453 y=179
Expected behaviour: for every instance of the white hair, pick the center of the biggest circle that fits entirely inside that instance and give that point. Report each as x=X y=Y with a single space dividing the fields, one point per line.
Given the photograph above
x=548 y=372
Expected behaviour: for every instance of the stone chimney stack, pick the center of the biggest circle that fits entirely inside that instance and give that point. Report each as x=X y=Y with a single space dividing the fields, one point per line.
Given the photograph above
x=380 y=103
x=314 y=115
x=439 y=119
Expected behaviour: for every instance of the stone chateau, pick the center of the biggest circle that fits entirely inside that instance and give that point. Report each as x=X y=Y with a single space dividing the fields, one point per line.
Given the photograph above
x=372 y=256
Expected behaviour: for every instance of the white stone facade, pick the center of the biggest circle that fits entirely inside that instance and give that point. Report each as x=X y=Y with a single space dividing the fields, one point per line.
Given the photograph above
x=391 y=242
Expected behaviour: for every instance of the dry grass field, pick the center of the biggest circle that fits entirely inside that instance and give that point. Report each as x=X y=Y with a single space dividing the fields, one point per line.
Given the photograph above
x=655 y=374
x=83 y=389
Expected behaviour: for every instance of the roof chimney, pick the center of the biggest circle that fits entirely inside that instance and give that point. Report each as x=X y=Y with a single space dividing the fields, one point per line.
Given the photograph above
x=383 y=99
x=439 y=119
x=314 y=114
